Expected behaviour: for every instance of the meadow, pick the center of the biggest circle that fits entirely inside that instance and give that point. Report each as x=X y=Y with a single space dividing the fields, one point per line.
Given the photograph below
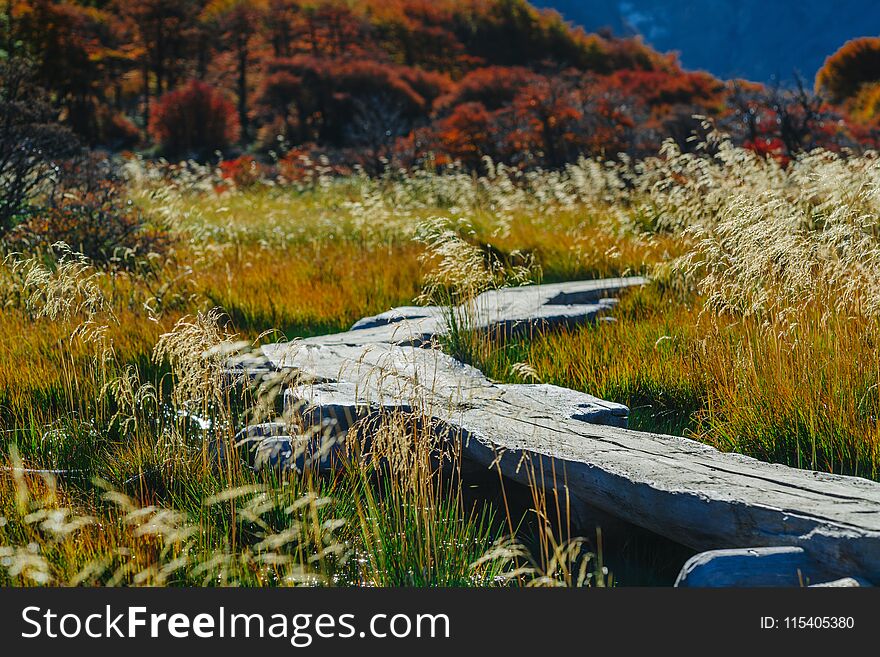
x=757 y=334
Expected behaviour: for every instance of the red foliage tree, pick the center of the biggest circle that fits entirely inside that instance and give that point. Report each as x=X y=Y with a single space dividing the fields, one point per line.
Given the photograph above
x=194 y=120
x=561 y=117
x=493 y=86
x=323 y=99
x=358 y=80
x=783 y=122
x=549 y=112
x=665 y=89
x=332 y=28
x=466 y=135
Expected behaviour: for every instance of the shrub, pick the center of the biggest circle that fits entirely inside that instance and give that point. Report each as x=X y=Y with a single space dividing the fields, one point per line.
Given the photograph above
x=194 y=120
x=114 y=130
x=96 y=221
x=243 y=171
x=306 y=164
x=32 y=141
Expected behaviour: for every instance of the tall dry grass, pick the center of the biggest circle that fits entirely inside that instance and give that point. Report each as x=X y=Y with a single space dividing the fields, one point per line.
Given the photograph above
x=758 y=334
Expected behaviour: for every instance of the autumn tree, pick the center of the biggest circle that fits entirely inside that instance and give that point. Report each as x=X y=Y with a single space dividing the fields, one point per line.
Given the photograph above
x=280 y=102
x=281 y=19
x=419 y=33
x=665 y=101
x=331 y=28
x=321 y=98
x=780 y=121
x=549 y=111
x=166 y=35
x=493 y=86
x=522 y=117
x=865 y=107
x=61 y=40
x=194 y=120
x=238 y=21
x=361 y=81
x=856 y=63
x=467 y=135
x=562 y=117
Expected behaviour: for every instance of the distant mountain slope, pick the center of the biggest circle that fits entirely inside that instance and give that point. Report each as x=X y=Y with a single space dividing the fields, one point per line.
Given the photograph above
x=755 y=39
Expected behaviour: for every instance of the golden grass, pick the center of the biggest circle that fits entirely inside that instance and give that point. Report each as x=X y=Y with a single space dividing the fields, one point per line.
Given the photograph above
x=805 y=396
x=759 y=334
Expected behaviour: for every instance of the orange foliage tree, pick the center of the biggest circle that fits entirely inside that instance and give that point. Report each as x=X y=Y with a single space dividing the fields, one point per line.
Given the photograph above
x=856 y=63
x=364 y=82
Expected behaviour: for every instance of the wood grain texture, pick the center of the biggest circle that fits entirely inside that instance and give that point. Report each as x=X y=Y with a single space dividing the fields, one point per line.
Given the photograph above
x=505 y=311
x=676 y=487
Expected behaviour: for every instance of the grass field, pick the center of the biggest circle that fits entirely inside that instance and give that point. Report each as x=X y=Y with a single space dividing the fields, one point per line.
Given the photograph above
x=757 y=334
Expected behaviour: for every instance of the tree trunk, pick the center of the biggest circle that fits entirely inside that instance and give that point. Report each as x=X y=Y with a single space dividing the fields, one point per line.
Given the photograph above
x=146 y=74
x=242 y=88
x=202 y=57
x=160 y=57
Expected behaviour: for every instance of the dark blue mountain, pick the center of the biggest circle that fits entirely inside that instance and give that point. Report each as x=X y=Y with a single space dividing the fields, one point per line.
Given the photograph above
x=754 y=39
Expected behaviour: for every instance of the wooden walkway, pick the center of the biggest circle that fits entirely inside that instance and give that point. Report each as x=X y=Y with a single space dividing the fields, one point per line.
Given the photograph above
x=676 y=487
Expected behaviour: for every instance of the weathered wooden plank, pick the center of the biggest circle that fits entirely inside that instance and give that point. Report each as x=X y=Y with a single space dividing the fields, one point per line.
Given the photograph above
x=843 y=582
x=749 y=567
x=678 y=488
x=507 y=310
x=681 y=489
